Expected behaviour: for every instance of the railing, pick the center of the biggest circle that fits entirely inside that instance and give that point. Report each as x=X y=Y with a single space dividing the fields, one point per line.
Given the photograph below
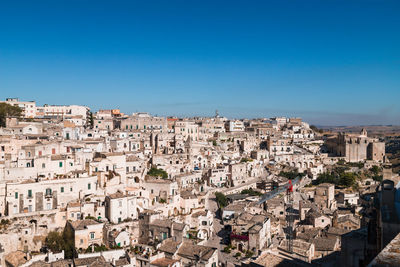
x=277 y=191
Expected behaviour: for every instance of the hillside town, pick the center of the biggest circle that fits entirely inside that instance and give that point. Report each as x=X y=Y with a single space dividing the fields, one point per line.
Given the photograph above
x=80 y=187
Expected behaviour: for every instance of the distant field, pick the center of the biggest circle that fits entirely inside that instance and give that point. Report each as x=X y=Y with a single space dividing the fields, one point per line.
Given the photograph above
x=373 y=130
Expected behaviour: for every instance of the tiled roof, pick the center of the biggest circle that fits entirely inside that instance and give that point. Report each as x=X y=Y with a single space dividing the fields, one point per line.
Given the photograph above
x=170 y=246
x=192 y=251
x=163 y=262
x=324 y=244
x=82 y=224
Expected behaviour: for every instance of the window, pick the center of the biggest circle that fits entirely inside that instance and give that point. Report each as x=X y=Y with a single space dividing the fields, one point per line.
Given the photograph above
x=92 y=235
x=43 y=165
x=16 y=195
x=88 y=186
x=30 y=208
x=48 y=191
x=81 y=241
x=70 y=189
x=29 y=193
x=48 y=206
x=62 y=189
x=60 y=164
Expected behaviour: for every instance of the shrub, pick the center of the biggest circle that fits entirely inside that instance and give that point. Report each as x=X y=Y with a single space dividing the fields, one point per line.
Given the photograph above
x=375 y=170
x=158 y=173
x=251 y=192
x=90 y=218
x=249 y=254
x=291 y=175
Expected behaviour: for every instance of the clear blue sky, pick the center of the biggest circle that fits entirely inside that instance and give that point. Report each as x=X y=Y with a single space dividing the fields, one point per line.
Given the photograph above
x=330 y=62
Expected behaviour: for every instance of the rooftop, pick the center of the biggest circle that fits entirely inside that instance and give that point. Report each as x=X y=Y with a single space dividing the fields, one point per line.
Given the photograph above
x=390 y=255
x=82 y=224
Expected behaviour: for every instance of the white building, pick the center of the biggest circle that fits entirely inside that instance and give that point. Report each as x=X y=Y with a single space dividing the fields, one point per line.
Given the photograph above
x=28 y=107
x=235 y=126
x=120 y=207
x=30 y=196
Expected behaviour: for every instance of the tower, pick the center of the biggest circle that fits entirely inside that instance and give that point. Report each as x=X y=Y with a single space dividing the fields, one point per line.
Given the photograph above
x=363 y=132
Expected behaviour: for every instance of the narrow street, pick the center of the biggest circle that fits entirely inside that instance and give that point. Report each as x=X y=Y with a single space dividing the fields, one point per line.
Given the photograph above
x=218 y=234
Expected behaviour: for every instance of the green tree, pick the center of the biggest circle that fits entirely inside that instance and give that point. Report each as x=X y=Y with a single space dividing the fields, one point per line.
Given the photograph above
x=221 y=199
x=377 y=178
x=55 y=242
x=7 y=110
x=291 y=175
x=69 y=243
x=91 y=120
x=347 y=179
x=375 y=170
x=158 y=173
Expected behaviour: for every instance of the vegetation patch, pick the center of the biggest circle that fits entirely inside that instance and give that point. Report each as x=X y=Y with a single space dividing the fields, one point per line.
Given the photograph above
x=221 y=199
x=158 y=173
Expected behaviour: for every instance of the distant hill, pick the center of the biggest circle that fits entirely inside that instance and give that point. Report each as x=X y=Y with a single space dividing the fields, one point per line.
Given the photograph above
x=373 y=130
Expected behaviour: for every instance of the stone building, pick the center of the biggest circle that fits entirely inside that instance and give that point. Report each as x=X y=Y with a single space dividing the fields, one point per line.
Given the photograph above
x=355 y=148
